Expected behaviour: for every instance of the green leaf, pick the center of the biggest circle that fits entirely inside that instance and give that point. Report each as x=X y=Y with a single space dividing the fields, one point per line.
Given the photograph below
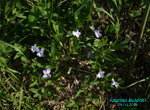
x=72 y=100
x=148 y=30
x=21 y=16
x=48 y=83
x=110 y=29
x=32 y=17
x=24 y=59
x=94 y=82
x=78 y=93
x=9 y=7
x=90 y=62
x=79 y=9
x=94 y=68
x=18 y=5
x=36 y=95
x=14 y=71
x=80 y=103
x=94 y=97
x=43 y=90
x=34 y=83
x=16 y=48
x=40 y=97
x=122 y=44
x=100 y=9
x=109 y=76
x=17 y=55
x=56 y=28
x=60 y=88
x=4 y=60
x=70 y=105
x=90 y=78
x=96 y=42
x=34 y=90
x=53 y=48
x=108 y=57
x=90 y=94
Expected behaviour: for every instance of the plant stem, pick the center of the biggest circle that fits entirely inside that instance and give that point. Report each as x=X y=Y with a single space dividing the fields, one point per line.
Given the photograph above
x=81 y=70
x=94 y=5
x=133 y=58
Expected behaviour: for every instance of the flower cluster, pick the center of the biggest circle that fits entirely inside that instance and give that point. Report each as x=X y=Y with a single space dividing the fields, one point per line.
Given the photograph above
x=101 y=75
x=96 y=32
x=40 y=53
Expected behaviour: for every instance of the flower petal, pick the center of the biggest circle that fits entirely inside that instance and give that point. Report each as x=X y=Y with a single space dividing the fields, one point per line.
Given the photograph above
x=98 y=75
x=38 y=54
x=42 y=50
x=44 y=76
x=42 y=55
x=79 y=33
x=74 y=33
x=49 y=75
x=44 y=71
x=37 y=50
x=48 y=71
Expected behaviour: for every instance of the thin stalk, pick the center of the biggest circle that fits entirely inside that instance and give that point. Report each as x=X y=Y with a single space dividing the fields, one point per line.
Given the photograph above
x=49 y=14
x=130 y=6
x=94 y=5
x=133 y=58
x=81 y=70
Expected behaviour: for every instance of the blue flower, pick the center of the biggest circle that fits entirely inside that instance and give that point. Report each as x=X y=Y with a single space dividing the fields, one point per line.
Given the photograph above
x=46 y=73
x=77 y=82
x=115 y=83
x=89 y=54
x=101 y=74
x=40 y=52
x=33 y=48
x=130 y=48
x=92 y=27
x=97 y=33
x=77 y=33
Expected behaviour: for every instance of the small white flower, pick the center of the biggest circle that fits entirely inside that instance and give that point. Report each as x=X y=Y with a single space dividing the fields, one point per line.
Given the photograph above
x=101 y=74
x=77 y=33
x=97 y=33
x=68 y=72
x=40 y=52
x=116 y=84
x=46 y=73
x=33 y=48
x=92 y=27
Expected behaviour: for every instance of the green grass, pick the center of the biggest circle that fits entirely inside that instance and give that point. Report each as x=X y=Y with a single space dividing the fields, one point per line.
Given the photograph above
x=50 y=25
